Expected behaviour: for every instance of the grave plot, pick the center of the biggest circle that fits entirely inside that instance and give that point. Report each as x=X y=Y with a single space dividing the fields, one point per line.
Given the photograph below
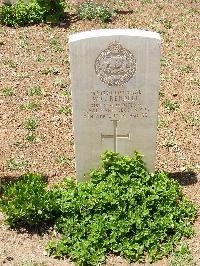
x=35 y=111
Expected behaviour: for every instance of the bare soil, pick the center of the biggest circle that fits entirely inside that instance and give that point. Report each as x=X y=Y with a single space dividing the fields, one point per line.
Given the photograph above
x=38 y=56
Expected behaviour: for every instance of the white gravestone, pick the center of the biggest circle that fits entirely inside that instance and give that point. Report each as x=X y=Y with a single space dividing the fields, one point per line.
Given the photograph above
x=13 y=1
x=115 y=84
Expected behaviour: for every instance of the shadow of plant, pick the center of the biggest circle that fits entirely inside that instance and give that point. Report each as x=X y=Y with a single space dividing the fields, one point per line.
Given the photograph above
x=186 y=178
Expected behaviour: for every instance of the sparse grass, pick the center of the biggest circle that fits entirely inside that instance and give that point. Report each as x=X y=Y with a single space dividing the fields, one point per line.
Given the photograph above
x=162 y=122
x=32 y=263
x=61 y=83
x=191 y=167
x=7 y=91
x=164 y=78
x=65 y=93
x=196 y=81
x=35 y=91
x=55 y=45
x=146 y=1
x=167 y=24
x=65 y=61
x=181 y=43
x=14 y=165
x=185 y=69
x=50 y=70
x=104 y=25
x=161 y=31
x=161 y=92
x=194 y=99
x=31 y=105
x=193 y=57
x=41 y=58
x=17 y=142
x=24 y=43
x=31 y=137
x=159 y=6
x=10 y=63
x=30 y=124
x=170 y=105
x=169 y=142
x=47 y=29
x=163 y=62
x=62 y=159
x=192 y=119
x=2 y=30
x=182 y=257
x=174 y=53
x=73 y=29
x=22 y=75
x=89 y=10
x=193 y=11
x=65 y=110
x=132 y=23
x=53 y=41
x=43 y=137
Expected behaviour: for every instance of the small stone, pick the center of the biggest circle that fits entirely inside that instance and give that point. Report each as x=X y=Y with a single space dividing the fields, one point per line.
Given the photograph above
x=182 y=169
x=45 y=253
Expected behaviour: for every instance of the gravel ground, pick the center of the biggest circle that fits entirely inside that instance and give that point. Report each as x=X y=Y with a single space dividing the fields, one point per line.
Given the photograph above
x=37 y=57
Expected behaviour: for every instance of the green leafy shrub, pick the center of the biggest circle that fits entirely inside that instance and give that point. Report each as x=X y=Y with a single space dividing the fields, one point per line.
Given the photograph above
x=27 y=201
x=182 y=256
x=20 y=13
x=53 y=9
x=33 y=12
x=124 y=210
x=90 y=10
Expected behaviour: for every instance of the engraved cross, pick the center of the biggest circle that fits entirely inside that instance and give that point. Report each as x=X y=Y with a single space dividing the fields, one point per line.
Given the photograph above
x=115 y=135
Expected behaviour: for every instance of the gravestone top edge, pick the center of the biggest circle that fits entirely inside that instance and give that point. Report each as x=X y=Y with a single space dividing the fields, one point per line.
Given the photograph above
x=113 y=32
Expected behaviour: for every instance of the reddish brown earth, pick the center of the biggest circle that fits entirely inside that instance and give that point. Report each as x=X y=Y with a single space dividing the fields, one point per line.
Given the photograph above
x=38 y=56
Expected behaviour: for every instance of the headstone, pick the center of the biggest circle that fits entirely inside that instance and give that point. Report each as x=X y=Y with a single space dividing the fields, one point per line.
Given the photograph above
x=13 y=1
x=115 y=84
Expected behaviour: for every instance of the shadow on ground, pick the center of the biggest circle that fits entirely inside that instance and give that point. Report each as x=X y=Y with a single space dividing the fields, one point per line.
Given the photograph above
x=185 y=178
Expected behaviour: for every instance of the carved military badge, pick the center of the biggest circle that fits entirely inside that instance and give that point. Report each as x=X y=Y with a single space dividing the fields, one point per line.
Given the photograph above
x=116 y=65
